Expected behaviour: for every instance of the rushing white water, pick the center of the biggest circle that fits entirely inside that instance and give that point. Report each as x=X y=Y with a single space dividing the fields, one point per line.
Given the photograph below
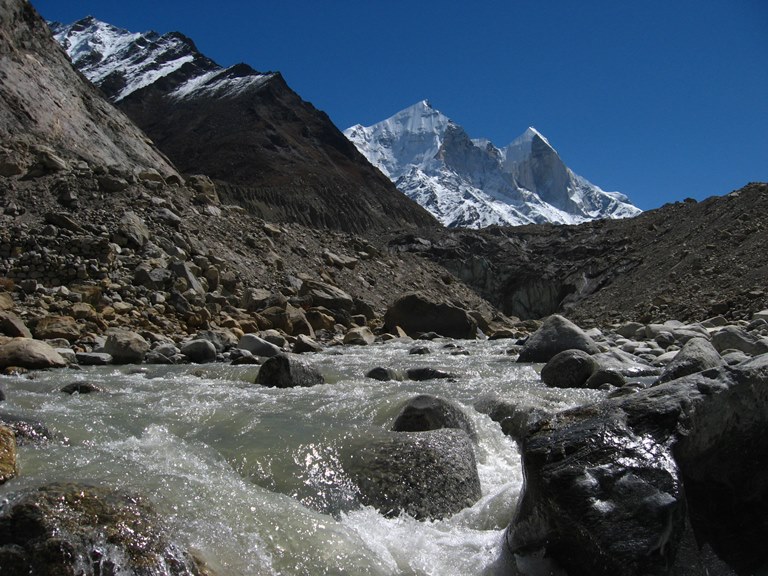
x=251 y=478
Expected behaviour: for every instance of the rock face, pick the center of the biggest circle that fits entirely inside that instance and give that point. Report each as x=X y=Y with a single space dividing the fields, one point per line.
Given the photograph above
x=271 y=152
x=283 y=372
x=28 y=353
x=616 y=487
x=417 y=314
x=556 y=335
x=60 y=528
x=427 y=475
x=35 y=72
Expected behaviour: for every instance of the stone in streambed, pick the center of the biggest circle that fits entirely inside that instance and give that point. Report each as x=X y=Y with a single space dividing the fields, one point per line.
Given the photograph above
x=556 y=335
x=569 y=369
x=126 y=347
x=199 y=351
x=28 y=353
x=697 y=355
x=425 y=412
x=283 y=372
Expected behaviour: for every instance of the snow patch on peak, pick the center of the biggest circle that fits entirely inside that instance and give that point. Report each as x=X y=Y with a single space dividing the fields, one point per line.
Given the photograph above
x=472 y=183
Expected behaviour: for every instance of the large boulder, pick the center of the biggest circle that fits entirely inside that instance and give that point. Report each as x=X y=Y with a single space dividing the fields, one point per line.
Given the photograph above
x=199 y=351
x=555 y=335
x=80 y=529
x=328 y=296
x=672 y=479
x=359 y=336
x=697 y=355
x=733 y=338
x=284 y=372
x=416 y=314
x=425 y=412
x=28 y=353
x=12 y=325
x=569 y=369
x=52 y=327
x=428 y=475
x=126 y=347
x=258 y=346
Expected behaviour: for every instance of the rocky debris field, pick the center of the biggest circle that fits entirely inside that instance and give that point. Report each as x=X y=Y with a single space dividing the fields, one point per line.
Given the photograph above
x=685 y=261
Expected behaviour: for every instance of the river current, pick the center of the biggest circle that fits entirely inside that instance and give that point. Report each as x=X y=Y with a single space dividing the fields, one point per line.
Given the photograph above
x=251 y=478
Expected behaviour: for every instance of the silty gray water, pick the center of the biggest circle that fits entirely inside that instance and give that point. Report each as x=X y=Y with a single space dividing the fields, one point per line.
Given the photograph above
x=251 y=478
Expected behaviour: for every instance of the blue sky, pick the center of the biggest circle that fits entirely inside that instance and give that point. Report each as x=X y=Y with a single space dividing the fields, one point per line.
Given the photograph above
x=661 y=100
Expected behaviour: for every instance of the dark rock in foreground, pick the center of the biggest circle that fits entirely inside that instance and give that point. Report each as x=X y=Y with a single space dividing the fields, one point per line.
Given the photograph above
x=428 y=475
x=615 y=488
x=61 y=528
x=283 y=372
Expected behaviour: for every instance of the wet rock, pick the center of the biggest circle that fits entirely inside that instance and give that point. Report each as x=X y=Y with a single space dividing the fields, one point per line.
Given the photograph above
x=126 y=347
x=556 y=334
x=632 y=477
x=421 y=374
x=258 y=346
x=697 y=355
x=7 y=454
x=283 y=372
x=28 y=353
x=81 y=388
x=155 y=357
x=626 y=364
x=360 y=336
x=427 y=475
x=199 y=351
x=420 y=350
x=569 y=369
x=26 y=430
x=383 y=374
x=515 y=418
x=603 y=376
x=416 y=313
x=425 y=412
x=12 y=325
x=61 y=528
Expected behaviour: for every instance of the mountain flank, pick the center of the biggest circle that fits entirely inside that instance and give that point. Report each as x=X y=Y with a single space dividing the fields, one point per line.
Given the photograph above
x=270 y=151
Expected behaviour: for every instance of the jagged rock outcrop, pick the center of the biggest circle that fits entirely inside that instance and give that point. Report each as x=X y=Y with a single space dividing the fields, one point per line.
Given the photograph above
x=652 y=482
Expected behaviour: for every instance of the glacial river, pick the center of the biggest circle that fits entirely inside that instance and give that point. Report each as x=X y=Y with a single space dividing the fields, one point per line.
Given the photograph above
x=250 y=478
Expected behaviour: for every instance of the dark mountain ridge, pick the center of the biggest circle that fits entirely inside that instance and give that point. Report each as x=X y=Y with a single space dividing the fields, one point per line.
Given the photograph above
x=272 y=152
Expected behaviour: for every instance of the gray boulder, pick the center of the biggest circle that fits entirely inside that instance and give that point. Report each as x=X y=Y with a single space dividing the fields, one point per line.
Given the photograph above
x=330 y=297
x=126 y=347
x=569 y=369
x=28 y=353
x=628 y=365
x=199 y=351
x=359 y=336
x=697 y=355
x=258 y=346
x=425 y=412
x=383 y=374
x=416 y=313
x=427 y=475
x=93 y=358
x=283 y=372
x=733 y=338
x=634 y=478
x=306 y=344
x=555 y=335
x=427 y=373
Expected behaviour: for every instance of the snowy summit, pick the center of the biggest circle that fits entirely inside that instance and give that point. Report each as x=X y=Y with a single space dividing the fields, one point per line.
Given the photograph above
x=472 y=183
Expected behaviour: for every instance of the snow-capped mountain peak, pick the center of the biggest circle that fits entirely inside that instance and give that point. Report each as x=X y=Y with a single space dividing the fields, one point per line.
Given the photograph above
x=472 y=183
x=122 y=62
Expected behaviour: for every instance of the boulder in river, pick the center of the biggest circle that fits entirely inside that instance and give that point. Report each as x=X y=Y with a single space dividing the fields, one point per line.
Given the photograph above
x=199 y=351
x=697 y=355
x=426 y=412
x=258 y=346
x=64 y=528
x=415 y=313
x=29 y=353
x=569 y=369
x=428 y=475
x=284 y=372
x=642 y=483
x=555 y=335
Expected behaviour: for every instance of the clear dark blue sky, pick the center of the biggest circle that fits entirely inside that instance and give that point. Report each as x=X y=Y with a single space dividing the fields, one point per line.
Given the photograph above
x=659 y=99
